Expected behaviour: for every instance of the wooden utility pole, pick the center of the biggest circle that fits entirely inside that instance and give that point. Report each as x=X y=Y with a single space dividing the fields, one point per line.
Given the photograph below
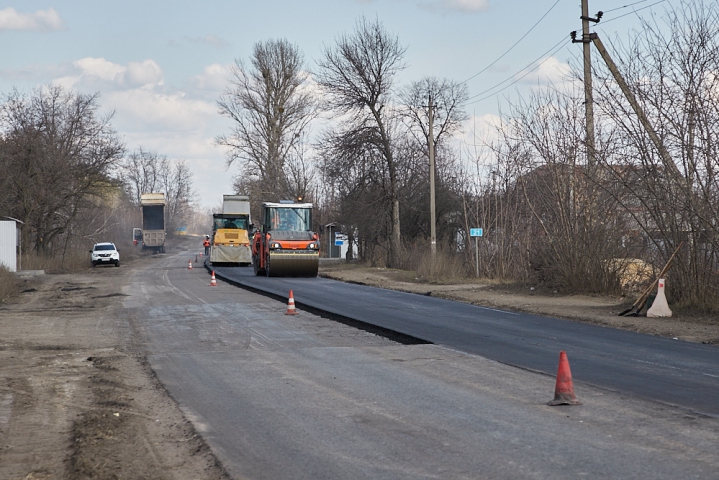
x=432 y=215
x=588 y=99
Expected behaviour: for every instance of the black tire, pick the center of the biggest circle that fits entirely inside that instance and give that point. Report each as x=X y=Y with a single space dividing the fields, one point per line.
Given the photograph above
x=94 y=264
x=117 y=264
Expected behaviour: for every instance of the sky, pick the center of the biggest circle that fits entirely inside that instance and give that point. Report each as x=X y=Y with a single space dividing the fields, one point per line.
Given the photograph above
x=161 y=66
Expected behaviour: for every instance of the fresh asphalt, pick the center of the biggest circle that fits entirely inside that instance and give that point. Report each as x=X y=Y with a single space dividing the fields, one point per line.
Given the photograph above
x=660 y=369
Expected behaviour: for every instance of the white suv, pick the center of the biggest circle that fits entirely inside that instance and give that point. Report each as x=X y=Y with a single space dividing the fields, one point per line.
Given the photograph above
x=105 y=253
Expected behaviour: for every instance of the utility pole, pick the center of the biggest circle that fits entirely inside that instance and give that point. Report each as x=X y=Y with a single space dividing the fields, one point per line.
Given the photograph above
x=588 y=99
x=432 y=215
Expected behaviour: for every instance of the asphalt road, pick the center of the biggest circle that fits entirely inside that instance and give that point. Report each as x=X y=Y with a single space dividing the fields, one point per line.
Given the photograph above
x=305 y=397
x=651 y=367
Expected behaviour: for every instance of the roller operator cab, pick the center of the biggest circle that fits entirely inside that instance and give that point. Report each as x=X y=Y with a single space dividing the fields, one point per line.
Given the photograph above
x=284 y=244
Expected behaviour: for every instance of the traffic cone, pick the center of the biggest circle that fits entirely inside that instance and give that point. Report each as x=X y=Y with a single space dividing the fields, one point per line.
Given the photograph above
x=189 y=265
x=291 y=305
x=564 y=391
x=213 y=282
x=200 y=254
x=660 y=307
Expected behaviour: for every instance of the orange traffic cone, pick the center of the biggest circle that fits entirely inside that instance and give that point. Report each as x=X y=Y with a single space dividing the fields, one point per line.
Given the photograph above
x=564 y=391
x=213 y=282
x=291 y=305
x=189 y=265
x=200 y=254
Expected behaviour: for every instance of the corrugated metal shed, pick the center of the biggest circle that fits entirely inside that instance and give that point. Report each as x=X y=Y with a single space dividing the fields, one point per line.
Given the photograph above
x=8 y=244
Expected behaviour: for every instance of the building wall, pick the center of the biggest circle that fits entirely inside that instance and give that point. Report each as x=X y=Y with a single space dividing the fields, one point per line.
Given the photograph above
x=8 y=244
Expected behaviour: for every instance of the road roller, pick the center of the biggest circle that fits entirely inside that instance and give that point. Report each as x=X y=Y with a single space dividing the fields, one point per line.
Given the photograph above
x=284 y=245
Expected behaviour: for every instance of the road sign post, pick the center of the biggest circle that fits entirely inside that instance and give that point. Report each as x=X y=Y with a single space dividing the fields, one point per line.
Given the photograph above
x=476 y=233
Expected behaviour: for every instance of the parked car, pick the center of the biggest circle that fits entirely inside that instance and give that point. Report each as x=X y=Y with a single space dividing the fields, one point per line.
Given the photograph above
x=105 y=253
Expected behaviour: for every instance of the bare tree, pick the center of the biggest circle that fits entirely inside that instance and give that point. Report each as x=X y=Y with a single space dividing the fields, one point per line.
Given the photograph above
x=56 y=155
x=146 y=171
x=358 y=74
x=448 y=97
x=271 y=111
x=671 y=70
x=141 y=172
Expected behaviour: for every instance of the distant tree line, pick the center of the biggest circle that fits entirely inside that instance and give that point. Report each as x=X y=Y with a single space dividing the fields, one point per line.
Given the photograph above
x=550 y=217
x=66 y=176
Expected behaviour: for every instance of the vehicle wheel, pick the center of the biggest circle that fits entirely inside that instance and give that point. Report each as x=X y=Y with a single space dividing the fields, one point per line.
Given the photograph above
x=117 y=264
x=94 y=264
x=267 y=266
x=162 y=249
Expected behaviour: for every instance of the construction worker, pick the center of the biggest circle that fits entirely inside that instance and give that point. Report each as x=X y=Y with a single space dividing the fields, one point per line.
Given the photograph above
x=206 y=244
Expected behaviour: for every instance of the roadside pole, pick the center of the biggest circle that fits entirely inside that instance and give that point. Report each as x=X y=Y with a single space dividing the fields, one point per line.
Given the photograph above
x=476 y=233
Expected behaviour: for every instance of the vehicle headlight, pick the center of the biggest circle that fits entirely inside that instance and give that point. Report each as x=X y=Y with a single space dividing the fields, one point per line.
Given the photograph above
x=275 y=245
x=312 y=246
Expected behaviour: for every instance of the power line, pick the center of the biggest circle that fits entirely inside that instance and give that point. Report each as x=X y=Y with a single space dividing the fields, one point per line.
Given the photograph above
x=633 y=11
x=625 y=6
x=546 y=54
x=515 y=44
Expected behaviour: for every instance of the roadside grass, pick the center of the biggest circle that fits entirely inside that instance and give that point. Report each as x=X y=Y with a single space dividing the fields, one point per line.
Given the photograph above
x=9 y=285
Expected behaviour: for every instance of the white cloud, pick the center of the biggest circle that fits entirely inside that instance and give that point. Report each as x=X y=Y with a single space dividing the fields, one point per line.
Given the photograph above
x=214 y=77
x=550 y=71
x=143 y=74
x=461 y=6
x=99 y=74
x=40 y=21
x=100 y=68
x=141 y=109
x=467 y=6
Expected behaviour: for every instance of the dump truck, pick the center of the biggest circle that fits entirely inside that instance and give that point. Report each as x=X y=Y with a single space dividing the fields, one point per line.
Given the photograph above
x=284 y=245
x=153 y=221
x=230 y=242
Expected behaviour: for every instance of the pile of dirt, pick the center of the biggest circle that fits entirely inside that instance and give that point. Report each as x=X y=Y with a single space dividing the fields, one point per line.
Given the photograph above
x=600 y=310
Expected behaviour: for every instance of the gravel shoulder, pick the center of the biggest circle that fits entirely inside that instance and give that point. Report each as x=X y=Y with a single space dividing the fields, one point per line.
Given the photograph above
x=78 y=398
x=598 y=310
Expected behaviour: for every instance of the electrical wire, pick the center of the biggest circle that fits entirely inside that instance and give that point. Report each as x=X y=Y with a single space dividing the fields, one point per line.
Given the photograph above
x=633 y=12
x=515 y=43
x=625 y=6
x=546 y=55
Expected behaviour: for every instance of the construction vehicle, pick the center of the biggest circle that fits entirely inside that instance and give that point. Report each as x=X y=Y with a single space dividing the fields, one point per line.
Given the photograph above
x=285 y=245
x=153 y=221
x=230 y=232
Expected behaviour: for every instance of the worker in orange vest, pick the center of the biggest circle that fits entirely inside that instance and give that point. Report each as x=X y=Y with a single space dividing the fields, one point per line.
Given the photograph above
x=206 y=244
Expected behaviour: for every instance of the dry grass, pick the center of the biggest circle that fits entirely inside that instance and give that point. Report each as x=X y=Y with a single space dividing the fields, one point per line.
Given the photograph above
x=9 y=285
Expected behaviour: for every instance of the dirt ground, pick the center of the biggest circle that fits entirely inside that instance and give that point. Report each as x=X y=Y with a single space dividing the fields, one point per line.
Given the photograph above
x=78 y=399
x=581 y=308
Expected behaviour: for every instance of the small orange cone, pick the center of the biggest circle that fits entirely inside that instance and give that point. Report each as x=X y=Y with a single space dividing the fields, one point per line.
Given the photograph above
x=200 y=254
x=291 y=305
x=189 y=265
x=564 y=391
x=213 y=282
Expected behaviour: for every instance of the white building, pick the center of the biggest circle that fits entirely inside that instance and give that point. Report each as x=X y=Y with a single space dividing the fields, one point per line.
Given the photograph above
x=8 y=243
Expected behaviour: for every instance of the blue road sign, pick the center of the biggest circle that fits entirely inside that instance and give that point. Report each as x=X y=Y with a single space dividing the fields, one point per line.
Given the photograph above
x=475 y=232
